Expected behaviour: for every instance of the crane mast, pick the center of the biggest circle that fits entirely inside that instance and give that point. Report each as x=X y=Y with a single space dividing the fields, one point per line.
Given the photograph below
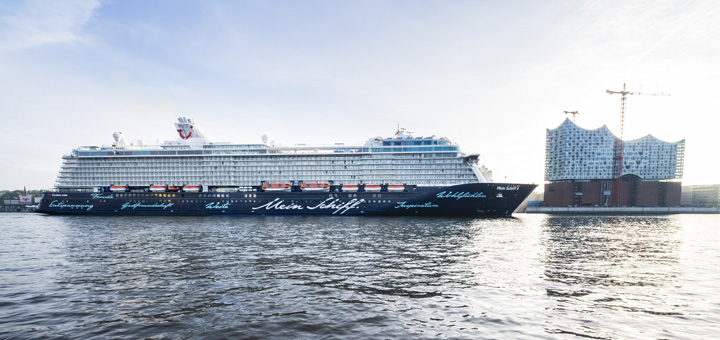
x=620 y=144
x=573 y=113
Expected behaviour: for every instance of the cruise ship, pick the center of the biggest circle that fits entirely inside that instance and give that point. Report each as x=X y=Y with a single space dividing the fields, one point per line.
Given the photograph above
x=401 y=175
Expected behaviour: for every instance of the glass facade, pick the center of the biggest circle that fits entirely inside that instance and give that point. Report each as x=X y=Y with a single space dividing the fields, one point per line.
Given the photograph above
x=574 y=153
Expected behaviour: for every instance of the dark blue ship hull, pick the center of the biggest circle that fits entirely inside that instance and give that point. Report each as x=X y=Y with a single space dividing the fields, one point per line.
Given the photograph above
x=478 y=199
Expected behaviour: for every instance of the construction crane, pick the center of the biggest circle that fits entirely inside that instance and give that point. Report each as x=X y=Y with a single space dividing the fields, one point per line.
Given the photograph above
x=621 y=147
x=573 y=113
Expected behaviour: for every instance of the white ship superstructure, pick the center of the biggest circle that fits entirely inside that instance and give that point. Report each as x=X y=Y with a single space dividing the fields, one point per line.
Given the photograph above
x=193 y=160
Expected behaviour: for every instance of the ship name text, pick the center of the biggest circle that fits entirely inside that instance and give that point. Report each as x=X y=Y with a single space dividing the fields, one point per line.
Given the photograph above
x=330 y=203
x=460 y=194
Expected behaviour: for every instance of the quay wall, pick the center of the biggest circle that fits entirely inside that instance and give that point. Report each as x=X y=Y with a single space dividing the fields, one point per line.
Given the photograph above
x=622 y=210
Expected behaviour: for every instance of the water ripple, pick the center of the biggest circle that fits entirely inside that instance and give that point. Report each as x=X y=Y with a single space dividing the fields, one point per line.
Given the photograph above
x=533 y=276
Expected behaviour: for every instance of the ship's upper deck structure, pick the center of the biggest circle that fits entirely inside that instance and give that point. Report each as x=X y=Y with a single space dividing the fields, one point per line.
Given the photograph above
x=193 y=160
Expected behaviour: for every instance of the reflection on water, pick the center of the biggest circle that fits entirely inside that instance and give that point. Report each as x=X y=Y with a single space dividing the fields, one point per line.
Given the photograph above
x=601 y=267
x=533 y=276
x=627 y=251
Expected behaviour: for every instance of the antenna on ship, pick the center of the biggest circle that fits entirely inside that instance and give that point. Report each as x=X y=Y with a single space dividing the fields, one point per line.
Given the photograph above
x=620 y=144
x=573 y=113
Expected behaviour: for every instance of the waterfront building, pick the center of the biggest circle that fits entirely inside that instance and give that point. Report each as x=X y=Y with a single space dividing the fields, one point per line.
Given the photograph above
x=686 y=196
x=701 y=195
x=24 y=198
x=581 y=169
x=23 y=203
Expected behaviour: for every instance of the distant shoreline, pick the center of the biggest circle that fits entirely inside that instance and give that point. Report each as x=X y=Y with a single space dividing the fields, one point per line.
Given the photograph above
x=16 y=209
x=621 y=210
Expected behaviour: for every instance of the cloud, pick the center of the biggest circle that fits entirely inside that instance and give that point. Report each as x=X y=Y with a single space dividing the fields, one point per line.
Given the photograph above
x=38 y=23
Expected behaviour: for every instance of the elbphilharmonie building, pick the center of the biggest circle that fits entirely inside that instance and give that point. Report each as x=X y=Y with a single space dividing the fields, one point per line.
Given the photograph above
x=581 y=169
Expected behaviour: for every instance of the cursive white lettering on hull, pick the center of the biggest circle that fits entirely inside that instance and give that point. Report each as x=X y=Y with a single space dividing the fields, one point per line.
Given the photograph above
x=62 y=205
x=338 y=205
x=217 y=205
x=140 y=205
x=415 y=206
x=460 y=195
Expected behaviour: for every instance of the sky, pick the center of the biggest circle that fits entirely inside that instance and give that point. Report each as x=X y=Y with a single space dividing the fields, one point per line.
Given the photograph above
x=491 y=76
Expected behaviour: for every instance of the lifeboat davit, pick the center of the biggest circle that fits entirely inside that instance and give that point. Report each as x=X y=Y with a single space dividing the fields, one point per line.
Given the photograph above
x=276 y=187
x=118 y=188
x=396 y=188
x=157 y=188
x=191 y=188
x=372 y=188
x=349 y=188
x=314 y=187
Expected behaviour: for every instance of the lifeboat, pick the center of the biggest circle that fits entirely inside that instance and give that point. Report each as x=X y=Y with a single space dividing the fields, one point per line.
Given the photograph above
x=118 y=188
x=276 y=187
x=396 y=188
x=191 y=188
x=157 y=188
x=314 y=187
x=172 y=188
x=372 y=188
x=349 y=188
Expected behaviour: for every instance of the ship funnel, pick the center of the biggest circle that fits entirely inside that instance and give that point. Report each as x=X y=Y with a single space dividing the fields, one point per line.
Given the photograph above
x=187 y=129
x=119 y=139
